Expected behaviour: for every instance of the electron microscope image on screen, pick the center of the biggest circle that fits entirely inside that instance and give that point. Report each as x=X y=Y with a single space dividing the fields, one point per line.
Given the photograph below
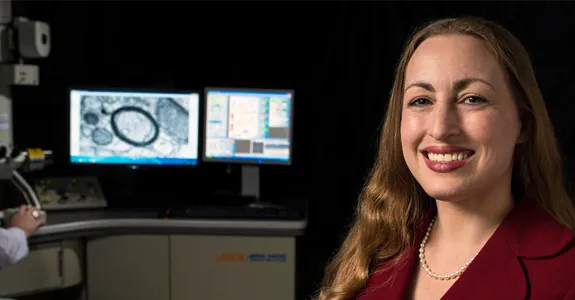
x=129 y=126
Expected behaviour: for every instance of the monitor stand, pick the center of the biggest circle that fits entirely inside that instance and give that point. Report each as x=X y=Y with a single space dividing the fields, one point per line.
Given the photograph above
x=251 y=186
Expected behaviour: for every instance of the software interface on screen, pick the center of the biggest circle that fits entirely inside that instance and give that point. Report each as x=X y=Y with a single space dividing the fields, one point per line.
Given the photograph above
x=248 y=125
x=135 y=128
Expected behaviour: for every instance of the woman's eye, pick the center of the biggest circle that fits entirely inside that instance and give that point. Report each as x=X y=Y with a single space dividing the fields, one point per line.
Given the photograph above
x=474 y=100
x=419 y=102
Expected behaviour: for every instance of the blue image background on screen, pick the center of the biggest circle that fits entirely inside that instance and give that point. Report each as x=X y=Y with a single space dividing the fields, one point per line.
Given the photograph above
x=248 y=126
x=134 y=127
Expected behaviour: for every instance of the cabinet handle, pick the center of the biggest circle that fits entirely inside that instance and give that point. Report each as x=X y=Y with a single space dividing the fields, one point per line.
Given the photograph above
x=60 y=264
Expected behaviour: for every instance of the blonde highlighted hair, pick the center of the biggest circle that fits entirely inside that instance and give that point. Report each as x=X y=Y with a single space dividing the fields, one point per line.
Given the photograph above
x=392 y=203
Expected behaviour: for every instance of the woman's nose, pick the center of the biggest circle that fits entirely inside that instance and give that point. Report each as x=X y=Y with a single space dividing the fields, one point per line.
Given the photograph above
x=444 y=121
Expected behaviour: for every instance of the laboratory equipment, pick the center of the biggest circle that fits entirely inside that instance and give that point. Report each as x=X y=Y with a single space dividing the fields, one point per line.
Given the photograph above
x=20 y=39
x=133 y=127
x=66 y=193
x=29 y=160
x=250 y=127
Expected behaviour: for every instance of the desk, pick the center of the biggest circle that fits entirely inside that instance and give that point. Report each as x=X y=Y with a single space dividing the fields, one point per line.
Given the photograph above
x=122 y=254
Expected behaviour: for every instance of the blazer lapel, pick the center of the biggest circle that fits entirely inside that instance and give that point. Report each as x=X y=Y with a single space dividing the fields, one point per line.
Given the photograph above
x=528 y=232
x=495 y=273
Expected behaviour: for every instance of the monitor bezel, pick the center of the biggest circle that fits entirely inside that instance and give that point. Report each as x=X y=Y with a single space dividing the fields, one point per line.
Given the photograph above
x=132 y=89
x=251 y=162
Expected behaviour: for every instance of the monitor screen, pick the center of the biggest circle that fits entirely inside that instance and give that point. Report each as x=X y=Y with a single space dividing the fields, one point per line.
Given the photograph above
x=134 y=127
x=251 y=126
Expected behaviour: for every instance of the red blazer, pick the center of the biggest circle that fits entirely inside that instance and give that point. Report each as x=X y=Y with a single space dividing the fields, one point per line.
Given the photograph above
x=530 y=256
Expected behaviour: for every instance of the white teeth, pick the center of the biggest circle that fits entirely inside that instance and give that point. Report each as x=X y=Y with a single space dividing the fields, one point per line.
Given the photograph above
x=447 y=157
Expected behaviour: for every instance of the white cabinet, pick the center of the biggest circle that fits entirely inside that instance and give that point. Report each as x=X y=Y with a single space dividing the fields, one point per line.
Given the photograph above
x=128 y=267
x=232 y=268
x=160 y=267
x=47 y=267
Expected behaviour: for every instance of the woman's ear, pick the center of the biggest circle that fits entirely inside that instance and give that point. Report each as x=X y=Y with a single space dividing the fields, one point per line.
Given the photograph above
x=522 y=137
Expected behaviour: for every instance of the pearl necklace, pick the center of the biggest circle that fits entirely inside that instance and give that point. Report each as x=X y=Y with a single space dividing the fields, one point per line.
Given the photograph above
x=426 y=267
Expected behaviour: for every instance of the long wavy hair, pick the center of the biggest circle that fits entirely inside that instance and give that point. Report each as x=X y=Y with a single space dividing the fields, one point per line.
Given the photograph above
x=392 y=204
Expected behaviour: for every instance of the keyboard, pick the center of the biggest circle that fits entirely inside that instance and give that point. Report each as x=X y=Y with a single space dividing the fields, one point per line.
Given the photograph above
x=233 y=213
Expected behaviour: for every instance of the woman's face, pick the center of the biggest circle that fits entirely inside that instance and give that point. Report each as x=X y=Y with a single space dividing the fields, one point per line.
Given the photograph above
x=459 y=123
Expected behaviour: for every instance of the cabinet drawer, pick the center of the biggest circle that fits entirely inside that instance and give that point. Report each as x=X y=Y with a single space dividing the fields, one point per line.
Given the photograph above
x=40 y=270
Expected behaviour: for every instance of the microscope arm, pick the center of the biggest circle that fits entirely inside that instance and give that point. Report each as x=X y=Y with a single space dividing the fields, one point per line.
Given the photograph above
x=30 y=196
x=25 y=189
x=32 y=159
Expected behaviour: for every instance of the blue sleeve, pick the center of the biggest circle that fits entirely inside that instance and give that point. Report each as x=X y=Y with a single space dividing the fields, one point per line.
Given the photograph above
x=13 y=246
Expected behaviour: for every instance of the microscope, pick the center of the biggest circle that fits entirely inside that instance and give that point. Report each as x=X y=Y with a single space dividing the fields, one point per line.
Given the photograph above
x=20 y=39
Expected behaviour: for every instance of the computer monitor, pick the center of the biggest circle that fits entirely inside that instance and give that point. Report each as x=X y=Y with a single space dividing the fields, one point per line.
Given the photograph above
x=134 y=127
x=250 y=127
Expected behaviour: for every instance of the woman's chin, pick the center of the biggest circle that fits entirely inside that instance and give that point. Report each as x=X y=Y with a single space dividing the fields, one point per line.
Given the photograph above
x=451 y=194
x=449 y=187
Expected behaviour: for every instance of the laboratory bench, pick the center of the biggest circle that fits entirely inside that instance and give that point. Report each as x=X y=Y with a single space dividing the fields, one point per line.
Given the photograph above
x=138 y=254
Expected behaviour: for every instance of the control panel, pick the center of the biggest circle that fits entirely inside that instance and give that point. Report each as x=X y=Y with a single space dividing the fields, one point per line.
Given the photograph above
x=70 y=193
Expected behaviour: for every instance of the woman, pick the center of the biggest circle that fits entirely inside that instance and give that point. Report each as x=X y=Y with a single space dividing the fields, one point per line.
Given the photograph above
x=466 y=199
